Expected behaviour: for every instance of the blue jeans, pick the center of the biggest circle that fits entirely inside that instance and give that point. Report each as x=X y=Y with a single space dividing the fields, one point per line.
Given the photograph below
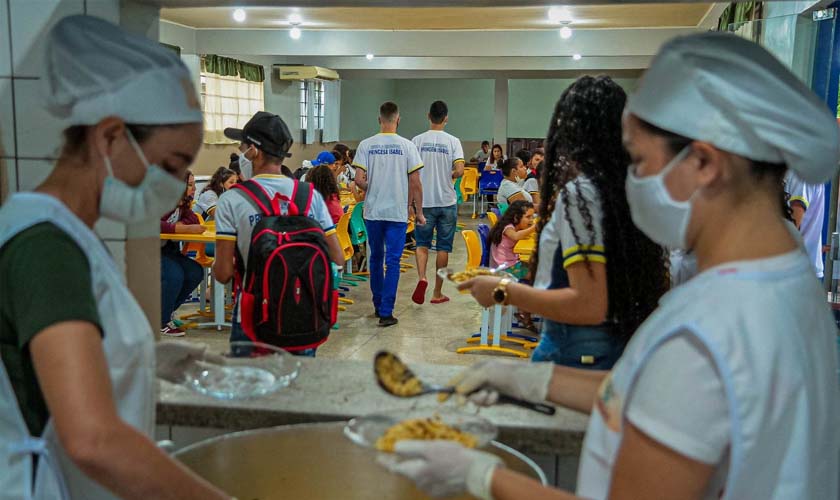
x=578 y=346
x=179 y=276
x=237 y=334
x=442 y=219
x=386 y=241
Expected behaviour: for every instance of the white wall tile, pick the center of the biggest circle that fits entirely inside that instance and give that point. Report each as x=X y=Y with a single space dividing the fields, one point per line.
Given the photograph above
x=109 y=229
x=7 y=122
x=33 y=172
x=31 y=19
x=5 y=37
x=117 y=249
x=38 y=132
x=106 y=9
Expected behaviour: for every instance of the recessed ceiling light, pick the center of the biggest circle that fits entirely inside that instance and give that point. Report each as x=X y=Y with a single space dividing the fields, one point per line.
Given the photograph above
x=565 y=32
x=369 y=57
x=559 y=15
x=294 y=18
x=239 y=15
x=577 y=57
x=294 y=33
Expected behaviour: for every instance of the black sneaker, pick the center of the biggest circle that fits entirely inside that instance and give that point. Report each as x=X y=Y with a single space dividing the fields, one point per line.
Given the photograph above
x=387 y=321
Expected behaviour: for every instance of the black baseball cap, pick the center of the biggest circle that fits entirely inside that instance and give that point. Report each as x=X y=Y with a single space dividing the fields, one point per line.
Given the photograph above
x=266 y=131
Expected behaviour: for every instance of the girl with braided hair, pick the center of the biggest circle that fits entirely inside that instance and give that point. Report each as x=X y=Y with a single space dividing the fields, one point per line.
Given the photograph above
x=596 y=276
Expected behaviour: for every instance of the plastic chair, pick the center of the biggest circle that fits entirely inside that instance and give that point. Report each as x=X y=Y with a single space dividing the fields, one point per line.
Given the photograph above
x=488 y=185
x=484 y=236
x=469 y=187
x=343 y=234
x=502 y=207
x=492 y=218
x=473 y=245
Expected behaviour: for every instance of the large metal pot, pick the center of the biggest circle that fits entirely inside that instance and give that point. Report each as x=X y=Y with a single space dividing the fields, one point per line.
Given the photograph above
x=311 y=462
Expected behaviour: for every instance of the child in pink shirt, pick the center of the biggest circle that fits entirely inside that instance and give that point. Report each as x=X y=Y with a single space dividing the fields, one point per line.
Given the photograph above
x=516 y=224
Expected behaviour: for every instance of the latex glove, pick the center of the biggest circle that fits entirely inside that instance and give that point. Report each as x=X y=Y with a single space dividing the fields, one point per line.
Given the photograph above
x=444 y=468
x=484 y=381
x=174 y=357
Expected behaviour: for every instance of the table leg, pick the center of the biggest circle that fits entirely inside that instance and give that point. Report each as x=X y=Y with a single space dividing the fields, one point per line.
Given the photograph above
x=218 y=308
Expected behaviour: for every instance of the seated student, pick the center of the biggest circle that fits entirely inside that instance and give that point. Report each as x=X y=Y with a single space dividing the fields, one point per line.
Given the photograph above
x=537 y=157
x=516 y=224
x=509 y=190
x=324 y=181
x=532 y=184
x=525 y=156
x=221 y=181
x=482 y=154
x=346 y=172
x=179 y=274
x=497 y=156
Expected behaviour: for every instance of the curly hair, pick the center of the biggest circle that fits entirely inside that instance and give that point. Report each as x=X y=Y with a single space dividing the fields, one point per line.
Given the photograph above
x=324 y=181
x=513 y=215
x=217 y=182
x=584 y=139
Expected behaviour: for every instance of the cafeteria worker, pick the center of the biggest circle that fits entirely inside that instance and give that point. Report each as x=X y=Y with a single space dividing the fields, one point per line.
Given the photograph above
x=729 y=390
x=77 y=403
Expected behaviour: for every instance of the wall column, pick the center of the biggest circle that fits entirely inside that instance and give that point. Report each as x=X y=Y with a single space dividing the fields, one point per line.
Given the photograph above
x=500 y=116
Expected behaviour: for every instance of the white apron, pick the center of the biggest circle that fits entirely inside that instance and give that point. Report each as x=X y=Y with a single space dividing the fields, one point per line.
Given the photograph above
x=129 y=350
x=773 y=341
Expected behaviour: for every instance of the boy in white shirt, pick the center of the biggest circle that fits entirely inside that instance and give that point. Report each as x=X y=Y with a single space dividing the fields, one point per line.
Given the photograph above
x=443 y=158
x=388 y=169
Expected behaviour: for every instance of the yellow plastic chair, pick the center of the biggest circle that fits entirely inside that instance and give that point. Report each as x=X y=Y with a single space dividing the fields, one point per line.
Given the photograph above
x=469 y=186
x=491 y=216
x=473 y=248
x=342 y=231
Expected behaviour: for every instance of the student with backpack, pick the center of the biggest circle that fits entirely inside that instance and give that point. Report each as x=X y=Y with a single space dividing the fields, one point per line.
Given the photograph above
x=275 y=235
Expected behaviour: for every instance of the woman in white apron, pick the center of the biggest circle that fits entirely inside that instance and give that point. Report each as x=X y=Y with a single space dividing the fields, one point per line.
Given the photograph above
x=729 y=389
x=77 y=402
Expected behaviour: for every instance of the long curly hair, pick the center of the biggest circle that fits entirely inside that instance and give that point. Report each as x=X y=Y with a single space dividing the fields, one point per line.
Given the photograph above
x=324 y=181
x=584 y=139
x=513 y=215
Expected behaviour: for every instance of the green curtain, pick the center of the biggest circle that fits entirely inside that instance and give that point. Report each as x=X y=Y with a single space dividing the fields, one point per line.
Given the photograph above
x=737 y=14
x=227 y=66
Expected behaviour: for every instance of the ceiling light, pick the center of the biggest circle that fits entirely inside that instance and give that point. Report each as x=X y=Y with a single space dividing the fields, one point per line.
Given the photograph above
x=565 y=32
x=294 y=33
x=294 y=18
x=559 y=15
x=239 y=15
x=369 y=57
x=577 y=57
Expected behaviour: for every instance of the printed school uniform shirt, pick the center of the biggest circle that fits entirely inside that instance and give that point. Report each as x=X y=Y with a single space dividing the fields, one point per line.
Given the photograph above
x=481 y=156
x=388 y=159
x=812 y=198
x=509 y=188
x=557 y=234
x=206 y=200
x=439 y=152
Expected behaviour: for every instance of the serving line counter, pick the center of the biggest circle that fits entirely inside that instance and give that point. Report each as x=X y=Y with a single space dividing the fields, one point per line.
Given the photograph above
x=329 y=390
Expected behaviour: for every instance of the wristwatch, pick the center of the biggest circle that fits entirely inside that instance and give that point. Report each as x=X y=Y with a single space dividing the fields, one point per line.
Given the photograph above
x=500 y=294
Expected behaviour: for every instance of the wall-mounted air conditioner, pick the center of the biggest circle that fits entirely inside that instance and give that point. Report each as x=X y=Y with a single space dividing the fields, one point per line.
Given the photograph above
x=305 y=73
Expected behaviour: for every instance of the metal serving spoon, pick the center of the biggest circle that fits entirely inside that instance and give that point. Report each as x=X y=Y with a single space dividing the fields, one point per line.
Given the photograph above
x=414 y=387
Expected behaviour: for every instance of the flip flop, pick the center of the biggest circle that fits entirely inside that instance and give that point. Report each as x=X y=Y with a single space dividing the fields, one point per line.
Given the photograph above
x=419 y=295
x=440 y=300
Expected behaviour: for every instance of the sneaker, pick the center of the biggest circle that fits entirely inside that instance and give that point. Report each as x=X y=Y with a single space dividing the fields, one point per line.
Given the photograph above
x=387 y=321
x=170 y=330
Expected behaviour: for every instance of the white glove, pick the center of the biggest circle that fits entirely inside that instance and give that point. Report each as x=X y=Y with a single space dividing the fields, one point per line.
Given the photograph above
x=174 y=357
x=528 y=381
x=444 y=468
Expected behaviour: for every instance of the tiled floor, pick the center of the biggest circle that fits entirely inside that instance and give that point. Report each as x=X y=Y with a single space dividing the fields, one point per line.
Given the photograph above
x=427 y=333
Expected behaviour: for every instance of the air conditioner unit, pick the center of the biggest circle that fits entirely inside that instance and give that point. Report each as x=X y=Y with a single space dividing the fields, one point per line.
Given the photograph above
x=305 y=73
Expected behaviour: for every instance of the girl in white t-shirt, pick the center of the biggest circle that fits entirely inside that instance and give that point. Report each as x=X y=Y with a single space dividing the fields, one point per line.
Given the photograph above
x=221 y=181
x=497 y=156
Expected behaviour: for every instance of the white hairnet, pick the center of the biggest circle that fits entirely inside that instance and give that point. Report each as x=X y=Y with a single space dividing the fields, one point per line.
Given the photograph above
x=95 y=70
x=732 y=93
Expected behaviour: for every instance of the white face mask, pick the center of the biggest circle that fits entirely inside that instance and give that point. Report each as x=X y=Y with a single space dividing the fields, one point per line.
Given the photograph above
x=662 y=218
x=157 y=193
x=245 y=166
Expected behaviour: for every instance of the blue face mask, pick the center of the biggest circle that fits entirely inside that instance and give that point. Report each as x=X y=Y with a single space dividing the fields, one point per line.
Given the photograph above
x=157 y=193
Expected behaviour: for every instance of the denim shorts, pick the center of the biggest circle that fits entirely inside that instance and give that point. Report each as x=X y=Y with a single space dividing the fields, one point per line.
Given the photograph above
x=440 y=219
x=578 y=346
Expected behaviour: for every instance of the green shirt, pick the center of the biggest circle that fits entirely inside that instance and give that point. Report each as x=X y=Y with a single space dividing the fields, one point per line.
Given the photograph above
x=44 y=280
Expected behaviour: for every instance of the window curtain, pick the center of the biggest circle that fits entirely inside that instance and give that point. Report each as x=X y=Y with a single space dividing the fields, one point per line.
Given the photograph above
x=332 y=110
x=738 y=14
x=311 y=120
x=226 y=66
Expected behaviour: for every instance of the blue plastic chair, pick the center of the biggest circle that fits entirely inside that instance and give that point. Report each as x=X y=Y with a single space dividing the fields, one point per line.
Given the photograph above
x=484 y=237
x=488 y=185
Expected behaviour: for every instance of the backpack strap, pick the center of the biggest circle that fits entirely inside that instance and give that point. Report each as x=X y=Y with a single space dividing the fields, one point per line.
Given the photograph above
x=253 y=190
x=302 y=197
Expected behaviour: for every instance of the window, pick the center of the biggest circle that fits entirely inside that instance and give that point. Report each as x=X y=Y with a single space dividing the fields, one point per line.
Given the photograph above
x=228 y=101
x=318 y=104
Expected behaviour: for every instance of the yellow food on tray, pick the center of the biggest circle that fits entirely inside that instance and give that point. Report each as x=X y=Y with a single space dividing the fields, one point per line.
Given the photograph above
x=469 y=274
x=424 y=429
x=396 y=377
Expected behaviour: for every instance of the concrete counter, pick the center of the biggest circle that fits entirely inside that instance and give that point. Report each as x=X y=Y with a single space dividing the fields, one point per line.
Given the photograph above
x=332 y=390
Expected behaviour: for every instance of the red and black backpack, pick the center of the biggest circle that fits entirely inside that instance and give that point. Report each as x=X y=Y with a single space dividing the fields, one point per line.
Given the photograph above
x=288 y=298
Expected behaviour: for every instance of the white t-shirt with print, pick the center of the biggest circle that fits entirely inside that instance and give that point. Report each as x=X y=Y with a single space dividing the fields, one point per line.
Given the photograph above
x=439 y=152
x=812 y=196
x=557 y=232
x=509 y=188
x=388 y=159
x=236 y=214
x=531 y=185
x=206 y=200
